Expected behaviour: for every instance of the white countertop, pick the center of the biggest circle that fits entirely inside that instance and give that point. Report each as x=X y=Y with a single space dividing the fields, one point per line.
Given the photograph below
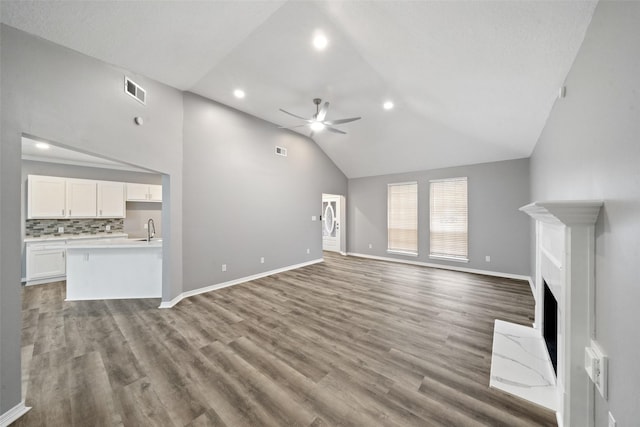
x=112 y=244
x=76 y=237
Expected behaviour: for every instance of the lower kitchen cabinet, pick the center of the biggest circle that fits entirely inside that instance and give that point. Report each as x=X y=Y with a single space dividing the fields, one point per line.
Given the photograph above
x=45 y=265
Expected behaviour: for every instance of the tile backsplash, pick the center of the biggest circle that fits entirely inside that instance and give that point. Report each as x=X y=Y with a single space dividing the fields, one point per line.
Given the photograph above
x=49 y=227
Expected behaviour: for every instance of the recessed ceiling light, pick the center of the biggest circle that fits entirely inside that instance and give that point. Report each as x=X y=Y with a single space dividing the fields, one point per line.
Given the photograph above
x=42 y=145
x=317 y=126
x=388 y=105
x=320 y=41
x=238 y=93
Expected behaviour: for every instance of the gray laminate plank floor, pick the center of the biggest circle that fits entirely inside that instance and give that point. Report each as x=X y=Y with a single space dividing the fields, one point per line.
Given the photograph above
x=350 y=342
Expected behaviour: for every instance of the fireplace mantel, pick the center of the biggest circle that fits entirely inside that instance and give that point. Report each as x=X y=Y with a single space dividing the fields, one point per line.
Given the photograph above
x=568 y=213
x=565 y=254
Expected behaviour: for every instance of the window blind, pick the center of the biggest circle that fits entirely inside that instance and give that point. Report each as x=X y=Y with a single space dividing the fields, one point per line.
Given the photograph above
x=448 y=218
x=402 y=217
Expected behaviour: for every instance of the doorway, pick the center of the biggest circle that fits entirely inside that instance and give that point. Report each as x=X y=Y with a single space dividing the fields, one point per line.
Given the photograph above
x=334 y=223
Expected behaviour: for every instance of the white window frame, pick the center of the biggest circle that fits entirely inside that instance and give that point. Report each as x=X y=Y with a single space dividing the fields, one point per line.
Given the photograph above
x=440 y=254
x=400 y=251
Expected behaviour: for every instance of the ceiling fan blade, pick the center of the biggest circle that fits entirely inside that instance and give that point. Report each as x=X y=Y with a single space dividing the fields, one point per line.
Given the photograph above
x=293 y=127
x=323 y=112
x=296 y=116
x=341 y=121
x=334 y=130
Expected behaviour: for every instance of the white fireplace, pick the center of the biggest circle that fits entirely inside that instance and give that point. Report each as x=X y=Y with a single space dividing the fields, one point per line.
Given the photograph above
x=565 y=251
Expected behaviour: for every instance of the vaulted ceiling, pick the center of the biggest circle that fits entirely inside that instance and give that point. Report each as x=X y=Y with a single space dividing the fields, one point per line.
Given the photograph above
x=472 y=81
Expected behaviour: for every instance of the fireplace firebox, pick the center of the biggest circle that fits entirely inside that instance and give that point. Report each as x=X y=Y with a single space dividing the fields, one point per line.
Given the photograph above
x=550 y=326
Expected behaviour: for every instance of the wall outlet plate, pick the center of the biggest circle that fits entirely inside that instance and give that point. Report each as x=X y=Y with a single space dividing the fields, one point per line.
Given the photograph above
x=108 y=228
x=224 y=267
x=60 y=229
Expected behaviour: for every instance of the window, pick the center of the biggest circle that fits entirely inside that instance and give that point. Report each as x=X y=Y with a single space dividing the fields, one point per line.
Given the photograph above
x=402 y=218
x=448 y=219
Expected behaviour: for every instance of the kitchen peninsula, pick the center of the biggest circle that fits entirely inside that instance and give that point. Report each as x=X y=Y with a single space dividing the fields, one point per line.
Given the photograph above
x=114 y=269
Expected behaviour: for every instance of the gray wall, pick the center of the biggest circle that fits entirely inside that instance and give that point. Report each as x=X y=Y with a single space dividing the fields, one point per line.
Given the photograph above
x=68 y=98
x=496 y=227
x=590 y=149
x=246 y=202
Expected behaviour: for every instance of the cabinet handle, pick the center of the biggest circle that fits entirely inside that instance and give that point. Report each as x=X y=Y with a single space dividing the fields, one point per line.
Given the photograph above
x=62 y=212
x=63 y=253
x=100 y=212
x=69 y=212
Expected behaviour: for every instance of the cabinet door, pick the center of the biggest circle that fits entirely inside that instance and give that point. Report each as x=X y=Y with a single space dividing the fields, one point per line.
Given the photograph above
x=137 y=192
x=81 y=198
x=46 y=197
x=155 y=193
x=45 y=263
x=111 y=202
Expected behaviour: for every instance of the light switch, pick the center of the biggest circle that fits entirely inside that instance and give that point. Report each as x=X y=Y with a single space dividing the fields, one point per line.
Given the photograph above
x=314 y=218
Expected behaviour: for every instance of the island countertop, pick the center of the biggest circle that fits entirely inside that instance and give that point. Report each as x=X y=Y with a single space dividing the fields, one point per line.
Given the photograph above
x=114 y=243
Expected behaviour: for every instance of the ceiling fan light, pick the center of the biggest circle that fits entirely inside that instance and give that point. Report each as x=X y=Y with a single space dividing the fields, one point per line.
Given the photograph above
x=317 y=126
x=320 y=41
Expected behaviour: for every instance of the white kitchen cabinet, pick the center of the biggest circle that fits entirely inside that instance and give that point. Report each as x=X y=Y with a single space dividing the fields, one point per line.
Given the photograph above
x=155 y=193
x=111 y=199
x=46 y=197
x=57 y=197
x=144 y=192
x=45 y=265
x=81 y=198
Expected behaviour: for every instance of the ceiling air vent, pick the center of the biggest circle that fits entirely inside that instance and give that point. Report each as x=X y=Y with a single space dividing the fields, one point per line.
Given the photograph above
x=281 y=151
x=135 y=90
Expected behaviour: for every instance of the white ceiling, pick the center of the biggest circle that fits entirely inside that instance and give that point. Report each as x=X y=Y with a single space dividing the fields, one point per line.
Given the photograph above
x=472 y=81
x=56 y=154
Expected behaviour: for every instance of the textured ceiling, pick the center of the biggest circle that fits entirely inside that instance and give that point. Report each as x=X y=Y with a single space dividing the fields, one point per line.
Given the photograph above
x=472 y=81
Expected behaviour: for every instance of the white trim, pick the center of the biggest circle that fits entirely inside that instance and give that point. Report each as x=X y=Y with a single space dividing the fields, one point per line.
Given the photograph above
x=448 y=258
x=174 y=301
x=458 y=178
x=403 y=253
x=444 y=267
x=13 y=414
x=533 y=291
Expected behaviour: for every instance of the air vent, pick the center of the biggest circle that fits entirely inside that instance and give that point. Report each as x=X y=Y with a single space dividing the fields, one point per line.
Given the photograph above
x=135 y=90
x=281 y=151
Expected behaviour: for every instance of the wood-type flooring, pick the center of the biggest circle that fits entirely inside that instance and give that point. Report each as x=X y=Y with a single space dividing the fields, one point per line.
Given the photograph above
x=350 y=342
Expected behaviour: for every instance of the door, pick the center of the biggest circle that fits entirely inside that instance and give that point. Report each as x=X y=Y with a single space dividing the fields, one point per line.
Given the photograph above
x=111 y=199
x=81 y=198
x=333 y=221
x=47 y=195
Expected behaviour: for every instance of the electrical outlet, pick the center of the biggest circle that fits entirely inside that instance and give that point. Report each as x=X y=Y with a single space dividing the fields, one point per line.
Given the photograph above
x=370 y=246
x=107 y=228
x=612 y=421
x=487 y=258
x=145 y=225
x=308 y=250
x=60 y=229
x=224 y=267
x=313 y=217
x=262 y=260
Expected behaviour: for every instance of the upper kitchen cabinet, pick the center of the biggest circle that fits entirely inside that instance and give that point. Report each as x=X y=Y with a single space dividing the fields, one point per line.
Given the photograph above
x=46 y=197
x=144 y=193
x=81 y=198
x=51 y=197
x=111 y=199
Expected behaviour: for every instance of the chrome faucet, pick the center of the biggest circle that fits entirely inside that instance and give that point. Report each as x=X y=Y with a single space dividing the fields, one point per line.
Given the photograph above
x=150 y=226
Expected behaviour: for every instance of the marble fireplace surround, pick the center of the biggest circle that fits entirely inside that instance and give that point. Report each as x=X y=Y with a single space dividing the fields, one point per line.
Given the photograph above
x=564 y=254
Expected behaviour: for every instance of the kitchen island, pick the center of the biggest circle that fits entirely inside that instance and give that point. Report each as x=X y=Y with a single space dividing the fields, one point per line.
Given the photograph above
x=114 y=269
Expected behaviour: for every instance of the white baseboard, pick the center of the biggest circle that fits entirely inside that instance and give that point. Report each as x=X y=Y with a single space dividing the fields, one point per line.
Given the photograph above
x=533 y=287
x=13 y=414
x=444 y=267
x=174 y=301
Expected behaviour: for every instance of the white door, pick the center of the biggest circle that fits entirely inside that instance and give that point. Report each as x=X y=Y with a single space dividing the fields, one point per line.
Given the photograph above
x=333 y=223
x=46 y=197
x=111 y=199
x=81 y=198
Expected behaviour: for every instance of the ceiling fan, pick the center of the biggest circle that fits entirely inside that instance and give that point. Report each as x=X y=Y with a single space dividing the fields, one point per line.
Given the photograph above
x=317 y=122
